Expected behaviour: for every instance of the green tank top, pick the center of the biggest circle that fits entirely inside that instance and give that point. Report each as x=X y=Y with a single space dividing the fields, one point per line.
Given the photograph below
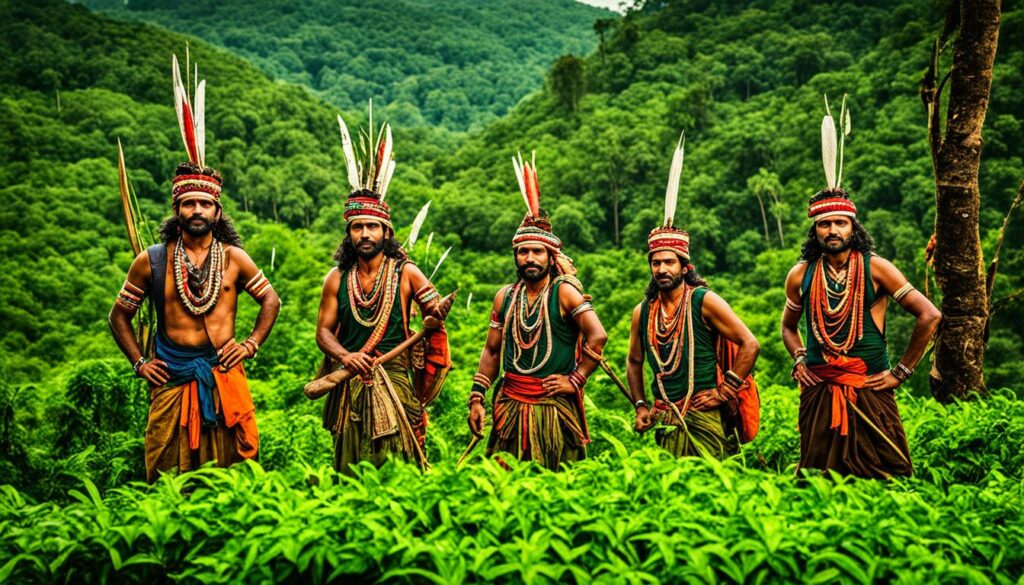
x=564 y=334
x=871 y=347
x=704 y=355
x=353 y=334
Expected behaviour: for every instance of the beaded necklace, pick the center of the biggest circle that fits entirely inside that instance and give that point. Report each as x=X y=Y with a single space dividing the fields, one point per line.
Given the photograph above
x=380 y=299
x=836 y=306
x=525 y=322
x=199 y=304
x=668 y=334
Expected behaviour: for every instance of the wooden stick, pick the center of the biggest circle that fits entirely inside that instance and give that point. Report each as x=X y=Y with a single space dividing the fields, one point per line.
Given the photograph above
x=322 y=386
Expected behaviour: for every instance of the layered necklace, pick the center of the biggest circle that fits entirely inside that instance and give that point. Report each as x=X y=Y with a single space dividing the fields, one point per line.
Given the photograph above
x=837 y=304
x=528 y=322
x=667 y=331
x=368 y=308
x=199 y=286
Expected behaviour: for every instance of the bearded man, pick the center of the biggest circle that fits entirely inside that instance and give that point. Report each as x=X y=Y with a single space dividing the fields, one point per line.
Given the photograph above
x=364 y=313
x=200 y=405
x=849 y=421
x=700 y=352
x=547 y=338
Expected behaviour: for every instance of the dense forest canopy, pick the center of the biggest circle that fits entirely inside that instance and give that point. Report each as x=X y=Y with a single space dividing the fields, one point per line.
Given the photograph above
x=458 y=65
x=602 y=103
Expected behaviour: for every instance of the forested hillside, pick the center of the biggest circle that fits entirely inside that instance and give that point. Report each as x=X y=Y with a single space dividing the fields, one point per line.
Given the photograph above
x=459 y=64
x=743 y=79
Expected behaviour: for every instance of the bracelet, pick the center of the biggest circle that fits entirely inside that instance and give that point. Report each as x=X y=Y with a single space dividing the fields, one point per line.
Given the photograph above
x=639 y=403
x=800 y=352
x=139 y=363
x=252 y=345
x=901 y=372
x=577 y=380
x=733 y=379
x=800 y=358
x=475 y=396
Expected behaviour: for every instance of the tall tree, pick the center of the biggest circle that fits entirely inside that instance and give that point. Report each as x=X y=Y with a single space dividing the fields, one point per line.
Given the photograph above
x=956 y=156
x=567 y=81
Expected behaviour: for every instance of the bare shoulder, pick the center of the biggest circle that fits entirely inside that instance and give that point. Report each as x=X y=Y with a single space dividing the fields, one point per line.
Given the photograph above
x=883 y=266
x=797 y=272
x=412 y=271
x=333 y=277
x=236 y=254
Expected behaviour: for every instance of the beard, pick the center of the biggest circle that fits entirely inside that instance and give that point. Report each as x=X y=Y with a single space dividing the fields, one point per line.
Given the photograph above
x=194 y=230
x=832 y=247
x=669 y=285
x=542 y=271
x=369 y=254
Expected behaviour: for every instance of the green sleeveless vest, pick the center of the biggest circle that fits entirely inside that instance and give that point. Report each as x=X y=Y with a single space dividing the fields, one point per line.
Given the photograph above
x=870 y=348
x=353 y=335
x=564 y=334
x=704 y=355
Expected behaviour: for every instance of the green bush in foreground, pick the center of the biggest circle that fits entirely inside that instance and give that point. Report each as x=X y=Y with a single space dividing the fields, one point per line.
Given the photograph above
x=619 y=517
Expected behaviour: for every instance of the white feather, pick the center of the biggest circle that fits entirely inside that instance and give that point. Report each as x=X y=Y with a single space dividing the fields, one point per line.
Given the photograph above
x=387 y=179
x=438 y=265
x=417 y=224
x=386 y=155
x=200 y=116
x=426 y=252
x=179 y=97
x=469 y=300
x=350 y=156
x=672 y=189
x=828 y=150
x=517 y=165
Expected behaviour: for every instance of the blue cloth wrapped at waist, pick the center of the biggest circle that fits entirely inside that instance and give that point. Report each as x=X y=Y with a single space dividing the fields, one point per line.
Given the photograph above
x=185 y=364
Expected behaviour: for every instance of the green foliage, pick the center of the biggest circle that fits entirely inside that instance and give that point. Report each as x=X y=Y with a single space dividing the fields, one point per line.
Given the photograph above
x=459 y=65
x=628 y=514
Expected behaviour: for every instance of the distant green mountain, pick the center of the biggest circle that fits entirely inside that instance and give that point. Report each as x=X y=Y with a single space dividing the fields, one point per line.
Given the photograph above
x=73 y=82
x=459 y=64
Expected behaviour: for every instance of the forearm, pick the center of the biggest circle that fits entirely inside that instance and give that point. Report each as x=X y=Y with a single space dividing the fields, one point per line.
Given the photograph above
x=124 y=336
x=791 y=339
x=265 y=319
x=635 y=379
x=924 y=329
x=329 y=344
x=746 y=356
x=488 y=365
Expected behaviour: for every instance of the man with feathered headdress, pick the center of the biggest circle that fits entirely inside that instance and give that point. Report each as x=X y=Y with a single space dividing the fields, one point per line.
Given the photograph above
x=849 y=421
x=365 y=309
x=547 y=338
x=200 y=406
x=700 y=352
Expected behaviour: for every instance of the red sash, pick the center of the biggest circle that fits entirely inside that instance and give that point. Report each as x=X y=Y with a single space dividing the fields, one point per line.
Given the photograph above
x=530 y=390
x=842 y=376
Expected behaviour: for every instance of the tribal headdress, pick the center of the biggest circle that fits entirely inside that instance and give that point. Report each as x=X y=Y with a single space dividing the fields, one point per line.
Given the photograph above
x=833 y=199
x=369 y=171
x=536 y=225
x=667 y=237
x=204 y=182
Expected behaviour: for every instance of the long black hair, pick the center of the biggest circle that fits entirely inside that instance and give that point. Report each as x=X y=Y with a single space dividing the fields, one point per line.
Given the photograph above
x=691 y=278
x=346 y=255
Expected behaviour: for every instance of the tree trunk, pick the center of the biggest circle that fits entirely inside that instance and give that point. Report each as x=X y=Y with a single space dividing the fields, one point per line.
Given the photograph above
x=764 y=220
x=959 y=263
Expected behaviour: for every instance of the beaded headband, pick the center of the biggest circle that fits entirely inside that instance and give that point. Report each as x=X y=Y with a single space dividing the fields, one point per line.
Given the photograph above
x=367 y=208
x=197 y=186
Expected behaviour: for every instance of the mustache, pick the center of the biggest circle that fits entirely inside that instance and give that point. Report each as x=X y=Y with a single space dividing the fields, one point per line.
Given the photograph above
x=532 y=265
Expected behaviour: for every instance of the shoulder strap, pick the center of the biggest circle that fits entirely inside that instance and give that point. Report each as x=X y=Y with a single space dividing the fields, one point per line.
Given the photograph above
x=158 y=265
